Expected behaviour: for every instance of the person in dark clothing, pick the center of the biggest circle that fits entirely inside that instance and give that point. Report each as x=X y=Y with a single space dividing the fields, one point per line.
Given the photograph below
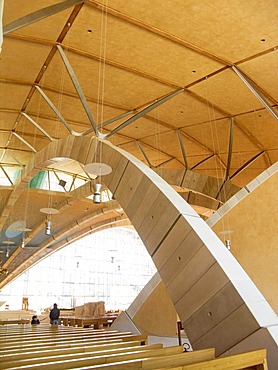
x=54 y=315
x=35 y=320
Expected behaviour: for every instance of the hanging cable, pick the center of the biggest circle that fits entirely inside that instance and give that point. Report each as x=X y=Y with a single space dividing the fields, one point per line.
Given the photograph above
x=216 y=149
x=100 y=102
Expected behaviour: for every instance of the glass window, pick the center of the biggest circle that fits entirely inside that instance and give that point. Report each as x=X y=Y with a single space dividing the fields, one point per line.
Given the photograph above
x=111 y=266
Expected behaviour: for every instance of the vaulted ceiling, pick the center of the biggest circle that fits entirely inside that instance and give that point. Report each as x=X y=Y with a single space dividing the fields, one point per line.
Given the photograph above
x=178 y=84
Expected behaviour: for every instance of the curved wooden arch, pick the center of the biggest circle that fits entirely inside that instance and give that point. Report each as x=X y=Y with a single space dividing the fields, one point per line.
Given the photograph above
x=22 y=260
x=213 y=296
x=211 y=191
x=212 y=187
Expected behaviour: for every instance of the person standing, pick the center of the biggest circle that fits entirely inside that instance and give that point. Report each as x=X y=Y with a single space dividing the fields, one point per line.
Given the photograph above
x=54 y=315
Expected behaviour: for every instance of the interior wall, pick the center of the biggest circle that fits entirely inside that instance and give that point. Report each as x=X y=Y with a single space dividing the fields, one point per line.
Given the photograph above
x=254 y=238
x=1 y=23
x=157 y=314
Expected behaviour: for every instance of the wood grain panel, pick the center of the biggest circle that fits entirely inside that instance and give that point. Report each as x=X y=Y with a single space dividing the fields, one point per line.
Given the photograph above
x=180 y=256
x=161 y=229
x=152 y=216
x=208 y=285
x=172 y=241
x=145 y=189
x=128 y=184
x=220 y=305
x=118 y=164
x=183 y=273
x=241 y=324
x=172 y=176
x=150 y=197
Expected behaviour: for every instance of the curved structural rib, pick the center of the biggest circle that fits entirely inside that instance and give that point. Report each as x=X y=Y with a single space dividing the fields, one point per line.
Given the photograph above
x=216 y=300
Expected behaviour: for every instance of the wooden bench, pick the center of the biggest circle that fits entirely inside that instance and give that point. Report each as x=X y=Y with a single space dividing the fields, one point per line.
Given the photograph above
x=16 y=314
x=63 y=362
x=72 y=348
x=21 y=349
x=82 y=321
x=78 y=348
x=61 y=344
x=14 y=321
x=46 y=337
x=8 y=337
x=13 y=330
x=44 y=329
x=255 y=360
x=159 y=362
x=55 y=341
x=59 y=350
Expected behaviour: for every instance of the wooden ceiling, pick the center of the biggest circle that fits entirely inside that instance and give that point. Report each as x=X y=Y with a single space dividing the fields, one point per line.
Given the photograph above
x=125 y=56
x=128 y=55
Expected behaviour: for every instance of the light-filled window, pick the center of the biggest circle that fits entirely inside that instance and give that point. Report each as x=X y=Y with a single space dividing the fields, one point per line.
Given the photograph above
x=112 y=266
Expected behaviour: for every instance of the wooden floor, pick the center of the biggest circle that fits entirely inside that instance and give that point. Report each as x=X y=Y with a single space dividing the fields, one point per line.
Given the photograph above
x=64 y=347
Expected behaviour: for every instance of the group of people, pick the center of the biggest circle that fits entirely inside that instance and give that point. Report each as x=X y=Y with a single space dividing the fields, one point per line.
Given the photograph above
x=53 y=315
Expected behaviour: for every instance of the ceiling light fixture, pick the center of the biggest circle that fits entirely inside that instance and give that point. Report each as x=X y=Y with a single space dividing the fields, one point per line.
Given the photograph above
x=49 y=211
x=97 y=198
x=227 y=241
x=227 y=234
x=8 y=243
x=228 y=244
x=48 y=223
x=97 y=169
x=62 y=183
x=24 y=230
x=15 y=229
